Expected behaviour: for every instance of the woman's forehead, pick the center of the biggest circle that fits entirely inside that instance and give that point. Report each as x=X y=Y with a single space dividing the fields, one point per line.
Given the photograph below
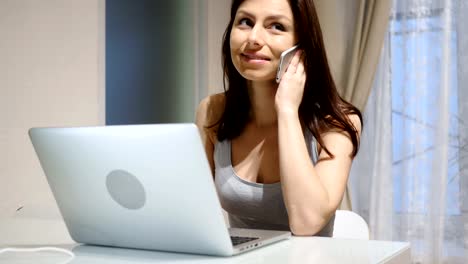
x=267 y=8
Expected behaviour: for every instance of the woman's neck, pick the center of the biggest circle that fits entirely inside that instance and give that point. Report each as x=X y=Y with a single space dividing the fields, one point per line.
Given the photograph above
x=262 y=98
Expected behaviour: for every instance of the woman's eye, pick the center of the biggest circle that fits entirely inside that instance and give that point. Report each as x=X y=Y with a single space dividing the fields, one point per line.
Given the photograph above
x=277 y=26
x=245 y=22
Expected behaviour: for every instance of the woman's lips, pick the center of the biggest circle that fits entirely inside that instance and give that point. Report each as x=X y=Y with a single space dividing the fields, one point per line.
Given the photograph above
x=254 y=58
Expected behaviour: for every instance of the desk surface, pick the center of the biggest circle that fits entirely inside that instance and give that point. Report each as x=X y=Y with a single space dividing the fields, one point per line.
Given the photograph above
x=295 y=250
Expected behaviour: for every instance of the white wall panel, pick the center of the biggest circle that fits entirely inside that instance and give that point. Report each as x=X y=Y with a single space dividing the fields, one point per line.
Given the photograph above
x=51 y=74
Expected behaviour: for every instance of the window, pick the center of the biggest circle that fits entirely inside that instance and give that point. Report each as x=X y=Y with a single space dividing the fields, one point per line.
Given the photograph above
x=419 y=68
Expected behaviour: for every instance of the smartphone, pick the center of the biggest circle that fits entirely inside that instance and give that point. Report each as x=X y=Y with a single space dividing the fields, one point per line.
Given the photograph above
x=285 y=59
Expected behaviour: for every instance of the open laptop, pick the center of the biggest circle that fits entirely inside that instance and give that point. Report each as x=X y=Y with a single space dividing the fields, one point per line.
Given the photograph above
x=140 y=186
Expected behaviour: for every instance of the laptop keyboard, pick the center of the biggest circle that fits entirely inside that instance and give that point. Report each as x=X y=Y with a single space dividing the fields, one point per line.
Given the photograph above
x=236 y=240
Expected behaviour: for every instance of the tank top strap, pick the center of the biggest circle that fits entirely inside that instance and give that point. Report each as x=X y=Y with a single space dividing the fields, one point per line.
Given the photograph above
x=222 y=154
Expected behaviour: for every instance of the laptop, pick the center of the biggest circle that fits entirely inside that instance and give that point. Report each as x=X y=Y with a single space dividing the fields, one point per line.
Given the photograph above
x=140 y=186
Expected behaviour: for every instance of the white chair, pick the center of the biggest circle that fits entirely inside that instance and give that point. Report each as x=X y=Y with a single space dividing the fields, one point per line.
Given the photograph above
x=348 y=224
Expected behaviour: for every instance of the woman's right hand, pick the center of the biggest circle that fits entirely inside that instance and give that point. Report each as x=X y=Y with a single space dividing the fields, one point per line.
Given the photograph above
x=291 y=87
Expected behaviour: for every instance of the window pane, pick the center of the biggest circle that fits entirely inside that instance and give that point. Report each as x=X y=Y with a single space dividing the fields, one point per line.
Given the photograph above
x=417 y=51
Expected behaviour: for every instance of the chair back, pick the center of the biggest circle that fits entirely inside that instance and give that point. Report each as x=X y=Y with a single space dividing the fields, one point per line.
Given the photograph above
x=348 y=224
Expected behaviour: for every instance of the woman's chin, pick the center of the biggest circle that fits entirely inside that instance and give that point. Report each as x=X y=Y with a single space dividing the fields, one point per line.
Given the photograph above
x=259 y=77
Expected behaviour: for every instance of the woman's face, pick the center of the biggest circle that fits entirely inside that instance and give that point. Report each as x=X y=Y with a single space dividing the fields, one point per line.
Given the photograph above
x=262 y=30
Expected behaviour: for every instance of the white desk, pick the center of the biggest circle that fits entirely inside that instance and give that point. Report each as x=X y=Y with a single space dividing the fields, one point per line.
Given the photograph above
x=24 y=232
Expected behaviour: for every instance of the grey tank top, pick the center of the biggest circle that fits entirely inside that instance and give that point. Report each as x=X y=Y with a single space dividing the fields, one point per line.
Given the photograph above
x=250 y=204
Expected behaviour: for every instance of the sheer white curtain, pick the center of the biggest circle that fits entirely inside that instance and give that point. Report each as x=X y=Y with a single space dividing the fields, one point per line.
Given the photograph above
x=410 y=180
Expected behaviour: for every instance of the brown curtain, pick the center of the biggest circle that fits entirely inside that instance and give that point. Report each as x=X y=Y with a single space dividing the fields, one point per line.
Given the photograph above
x=353 y=31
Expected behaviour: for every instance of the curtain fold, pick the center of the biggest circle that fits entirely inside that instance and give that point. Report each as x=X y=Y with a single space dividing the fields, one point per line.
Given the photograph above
x=353 y=31
x=374 y=159
x=371 y=25
x=410 y=179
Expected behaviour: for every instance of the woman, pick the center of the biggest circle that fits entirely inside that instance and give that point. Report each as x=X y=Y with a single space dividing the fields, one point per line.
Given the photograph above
x=280 y=153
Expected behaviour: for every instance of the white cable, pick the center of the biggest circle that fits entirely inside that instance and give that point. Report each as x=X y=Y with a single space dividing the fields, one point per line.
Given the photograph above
x=38 y=249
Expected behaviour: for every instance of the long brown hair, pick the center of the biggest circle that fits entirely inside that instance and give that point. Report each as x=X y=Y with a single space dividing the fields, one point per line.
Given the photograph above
x=321 y=109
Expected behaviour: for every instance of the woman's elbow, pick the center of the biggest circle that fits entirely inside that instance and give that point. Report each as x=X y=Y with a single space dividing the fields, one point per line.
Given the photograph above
x=309 y=226
x=304 y=230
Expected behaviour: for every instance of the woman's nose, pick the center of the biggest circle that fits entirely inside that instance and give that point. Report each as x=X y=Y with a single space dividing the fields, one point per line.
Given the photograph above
x=256 y=36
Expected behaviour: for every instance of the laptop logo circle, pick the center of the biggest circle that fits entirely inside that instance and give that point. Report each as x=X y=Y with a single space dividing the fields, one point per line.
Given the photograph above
x=126 y=189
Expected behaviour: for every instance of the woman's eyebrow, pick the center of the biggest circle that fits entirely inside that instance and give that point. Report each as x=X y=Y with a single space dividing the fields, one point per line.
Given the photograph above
x=269 y=17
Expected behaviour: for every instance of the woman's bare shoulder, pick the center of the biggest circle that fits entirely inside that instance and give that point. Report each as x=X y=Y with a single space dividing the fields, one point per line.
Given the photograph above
x=329 y=137
x=356 y=122
x=353 y=119
x=210 y=110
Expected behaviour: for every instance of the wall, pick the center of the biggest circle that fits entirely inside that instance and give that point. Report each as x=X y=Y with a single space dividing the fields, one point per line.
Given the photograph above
x=218 y=14
x=162 y=59
x=51 y=74
x=151 y=71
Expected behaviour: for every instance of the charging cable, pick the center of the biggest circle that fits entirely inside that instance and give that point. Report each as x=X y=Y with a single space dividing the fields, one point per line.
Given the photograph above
x=39 y=249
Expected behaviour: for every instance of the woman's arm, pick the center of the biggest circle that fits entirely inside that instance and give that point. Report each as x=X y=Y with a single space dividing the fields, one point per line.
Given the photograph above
x=312 y=193
x=208 y=113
